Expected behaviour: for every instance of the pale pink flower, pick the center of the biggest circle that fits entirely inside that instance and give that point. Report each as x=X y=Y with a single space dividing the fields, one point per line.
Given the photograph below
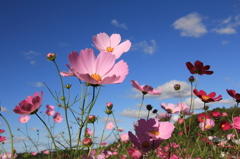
x=97 y=71
x=46 y=152
x=224 y=114
x=34 y=153
x=7 y=155
x=50 y=107
x=145 y=89
x=124 y=137
x=171 y=108
x=30 y=105
x=89 y=132
x=110 y=126
x=229 y=136
x=57 y=118
x=24 y=118
x=207 y=124
x=134 y=153
x=111 y=44
x=50 y=112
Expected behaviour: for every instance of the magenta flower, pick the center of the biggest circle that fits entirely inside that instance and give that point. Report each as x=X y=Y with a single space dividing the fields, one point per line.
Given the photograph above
x=171 y=108
x=236 y=122
x=111 y=44
x=24 y=118
x=134 y=153
x=207 y=124
x=235 y=95
x=110 y=126
x=30 y=105
x=57 y=118
x=2 y=138
x=97 y=71
x=50 y=110
x=145 y=89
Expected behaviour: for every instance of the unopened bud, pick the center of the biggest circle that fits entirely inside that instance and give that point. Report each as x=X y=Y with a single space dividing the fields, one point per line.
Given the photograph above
x=62 y=98
x=87 y=142
x=92 y=118
x=68 y=86
x=109 y=105
x=108 y=111
x=51 y=56
x=205 y=107
x=191 y=79
x=177 y=87
x=154 y=111
x=149 y=107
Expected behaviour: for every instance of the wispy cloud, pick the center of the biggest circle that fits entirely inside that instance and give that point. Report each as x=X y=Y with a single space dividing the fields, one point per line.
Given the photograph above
x=117 y=24
x=63 y=44
x=227 y=30
x=145 y=46
x=131 y=113
x=104 y=119
x=36 y=84
x=225 y=42
x=190 y=25
x=30 y=55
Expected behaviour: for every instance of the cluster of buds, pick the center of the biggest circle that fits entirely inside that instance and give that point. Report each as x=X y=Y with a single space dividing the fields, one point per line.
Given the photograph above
x=109 y=107
x=92 y=118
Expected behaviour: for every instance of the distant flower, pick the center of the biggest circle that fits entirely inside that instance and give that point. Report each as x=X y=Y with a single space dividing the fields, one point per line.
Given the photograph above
x=163 y=117
x=224 y=114
x=236 y=122
x=235 y=95
x=50 y=110
x=229 y=136
x=24 y=118
x=2 y=138
x=202 y=117
x=109 y=105
x=111 y=44
x=51 y=56
x=215 y=114
x=120 y=129
x=225 y=125
x=34 y=153
x=124 y=137
x=2 y=131
x=30 y=105
x=57 y=118
x=184 y=109
x=110 y=126
x=198 y=68
x=89 y=132
x=145 y=89
x=180 y=120
x=103 y=143
x=171 y=108
x=46 y=152
x=206 y=125
x=206 y=98
x=134 y=153
x=7 y=155
x=97 y=71
x=87 y=141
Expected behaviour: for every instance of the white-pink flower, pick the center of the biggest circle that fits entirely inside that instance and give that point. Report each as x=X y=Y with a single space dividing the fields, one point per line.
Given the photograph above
x=110 y=126
x=124 y=137
x=111 y=44
x=171 y=108
x=207 y=124
x=24 y=118
x=145 y=89
x=57 y=118
x=97 y=71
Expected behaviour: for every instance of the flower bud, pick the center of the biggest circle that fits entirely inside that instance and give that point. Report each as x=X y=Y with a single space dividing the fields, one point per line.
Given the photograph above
x=109 y=105
x=68 y=86
x=177 y=87
x=51 y=56
x=87 y=142
x=91 y=118
x=108 y=111
x=154 y=111
x=62 y=98
x=205 y=107
x=149 y=107
x=191 y=79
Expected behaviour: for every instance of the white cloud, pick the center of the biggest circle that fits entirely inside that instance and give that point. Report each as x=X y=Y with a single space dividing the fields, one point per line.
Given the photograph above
x=133 y=113
x=224 y=42
x=174 y=118
x=227 y=30
x=145 y=47
x=117 y=24
x=30 y=55
x=190 y=25
x=3 y=109
x=63 y=44
x=33 y=128
x=227 y=20
x=32 y=62
x=36 y=84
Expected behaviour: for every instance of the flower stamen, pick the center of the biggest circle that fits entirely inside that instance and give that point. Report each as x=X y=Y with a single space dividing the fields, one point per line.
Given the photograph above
x=109 y=49
x=96 y=77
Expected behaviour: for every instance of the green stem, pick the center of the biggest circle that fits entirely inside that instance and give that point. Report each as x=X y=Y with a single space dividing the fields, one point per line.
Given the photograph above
x=140 y=107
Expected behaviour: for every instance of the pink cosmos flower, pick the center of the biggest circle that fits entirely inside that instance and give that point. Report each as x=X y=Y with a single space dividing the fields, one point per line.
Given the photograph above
x=67 y=74
x=89 y=132
x=224 y=114
x=110 y=126
x=50 y=110
x=145 y=89
x=7 y=155
x=236 y=122
x=207 y=124
x=30 y=105
x=57 y=118
x=97 y=71
x=111 y=44
x=134 y=153
x=2 y=131
x=24 y=118
x=229 y=136
x=2 y=138
x=34 y=153
x=124 y=136
x=171 y=108
x=46 y=152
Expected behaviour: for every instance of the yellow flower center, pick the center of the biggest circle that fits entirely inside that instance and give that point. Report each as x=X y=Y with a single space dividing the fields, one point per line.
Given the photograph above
x=109 y=49
x=207 y=126
x=223 y=126
x=155 y=132
x=145 y=144
x=205 y=97
x=96 y=77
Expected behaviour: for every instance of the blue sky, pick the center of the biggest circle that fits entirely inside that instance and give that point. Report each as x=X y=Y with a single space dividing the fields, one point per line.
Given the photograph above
x=164 y=36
